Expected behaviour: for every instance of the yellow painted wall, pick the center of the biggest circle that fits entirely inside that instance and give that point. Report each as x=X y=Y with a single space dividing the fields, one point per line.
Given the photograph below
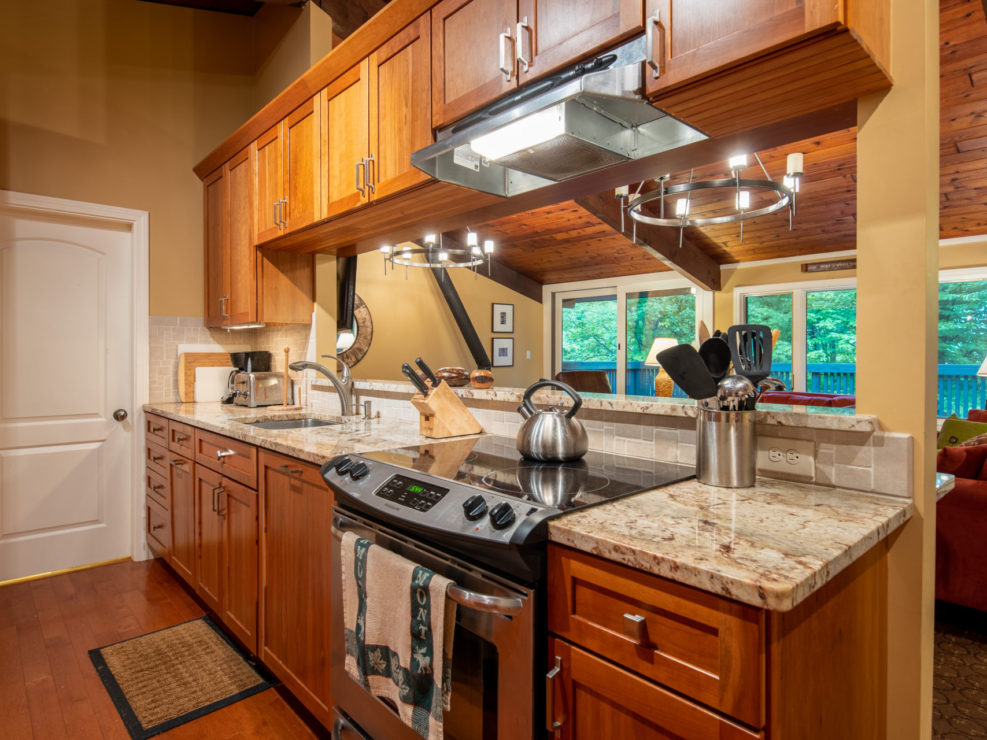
x=114 y=102
x=411 y=319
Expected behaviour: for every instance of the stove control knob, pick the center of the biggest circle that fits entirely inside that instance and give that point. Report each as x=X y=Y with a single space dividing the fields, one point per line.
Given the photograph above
x=359 y=471
x=343 y=465
x=502 y=515
x=474 y=507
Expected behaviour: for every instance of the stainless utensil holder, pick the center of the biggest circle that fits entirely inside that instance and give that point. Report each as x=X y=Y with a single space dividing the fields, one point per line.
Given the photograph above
x=726 y=448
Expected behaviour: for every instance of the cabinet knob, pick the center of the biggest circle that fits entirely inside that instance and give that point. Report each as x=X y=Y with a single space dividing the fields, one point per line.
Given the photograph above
x=636 y=628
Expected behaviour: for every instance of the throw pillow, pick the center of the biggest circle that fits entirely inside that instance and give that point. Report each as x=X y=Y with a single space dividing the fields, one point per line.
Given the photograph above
x=977 y=415
x=954 y=431
x=963 y=462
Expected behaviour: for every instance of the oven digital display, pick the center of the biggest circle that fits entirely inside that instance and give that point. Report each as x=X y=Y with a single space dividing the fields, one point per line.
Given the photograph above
x=411 y=493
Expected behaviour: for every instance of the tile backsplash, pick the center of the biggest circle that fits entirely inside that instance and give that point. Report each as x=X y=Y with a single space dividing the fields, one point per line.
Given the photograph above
x=165 y=333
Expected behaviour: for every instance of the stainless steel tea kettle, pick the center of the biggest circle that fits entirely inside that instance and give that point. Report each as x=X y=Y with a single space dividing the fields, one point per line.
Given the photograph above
x=552 y=435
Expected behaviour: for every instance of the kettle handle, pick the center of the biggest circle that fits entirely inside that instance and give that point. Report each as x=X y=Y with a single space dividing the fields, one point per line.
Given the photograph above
x=528 y=406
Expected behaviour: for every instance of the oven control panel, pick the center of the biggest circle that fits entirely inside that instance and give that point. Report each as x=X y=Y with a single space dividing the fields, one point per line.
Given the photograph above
x=414 y=494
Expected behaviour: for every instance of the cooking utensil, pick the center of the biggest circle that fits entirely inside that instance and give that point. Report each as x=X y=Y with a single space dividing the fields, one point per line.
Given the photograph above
x=415 y=380
x=750 y=348
x=703 y=332
x=733 y=391
x=688 y=370
x=716 y=355
x=428 y=371
x=551 y=435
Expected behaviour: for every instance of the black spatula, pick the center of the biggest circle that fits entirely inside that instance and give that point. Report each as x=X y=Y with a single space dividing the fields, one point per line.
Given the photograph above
x=750 y=349
x=688 y=370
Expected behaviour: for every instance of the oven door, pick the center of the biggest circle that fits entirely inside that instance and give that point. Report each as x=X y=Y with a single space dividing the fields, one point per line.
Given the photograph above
x=493 y=694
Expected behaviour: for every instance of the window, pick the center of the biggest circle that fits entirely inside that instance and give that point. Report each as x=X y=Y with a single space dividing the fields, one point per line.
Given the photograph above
x=962 y=341
x=611 y=327
x=817 y=347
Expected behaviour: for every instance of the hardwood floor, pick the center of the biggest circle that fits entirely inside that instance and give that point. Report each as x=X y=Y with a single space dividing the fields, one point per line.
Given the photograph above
x=48 y=686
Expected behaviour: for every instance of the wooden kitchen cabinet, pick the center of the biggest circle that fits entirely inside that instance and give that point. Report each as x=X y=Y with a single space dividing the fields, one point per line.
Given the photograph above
x=226 y=552
x=730 y=66
x=269 y=181
x=182 y=556
x=230 y=261
x=295 y=577
x=482 y=49
x=376 y=115
x=593 y=698
x=217 y=246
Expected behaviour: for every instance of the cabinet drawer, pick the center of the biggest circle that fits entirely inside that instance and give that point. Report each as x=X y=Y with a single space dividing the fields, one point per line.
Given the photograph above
x=212 y=450
x=156 y=458
x=181 y=438
x=702 y=645
x=591 y=697
x=158 y=528
x=156 y=428
x=157 y=488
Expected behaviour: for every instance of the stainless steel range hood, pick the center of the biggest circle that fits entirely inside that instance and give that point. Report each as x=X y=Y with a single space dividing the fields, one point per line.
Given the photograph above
x=580 y=125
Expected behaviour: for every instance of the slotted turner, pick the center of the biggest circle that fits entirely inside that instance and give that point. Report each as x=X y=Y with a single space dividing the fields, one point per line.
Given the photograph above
x=750 y=349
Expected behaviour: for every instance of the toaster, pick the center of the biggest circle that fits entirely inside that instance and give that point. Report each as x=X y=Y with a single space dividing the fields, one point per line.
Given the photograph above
x=260 y=389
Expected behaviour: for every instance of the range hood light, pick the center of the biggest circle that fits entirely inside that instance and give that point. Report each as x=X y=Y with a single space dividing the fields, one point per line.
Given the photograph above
x=524 y=133
x=251 y=325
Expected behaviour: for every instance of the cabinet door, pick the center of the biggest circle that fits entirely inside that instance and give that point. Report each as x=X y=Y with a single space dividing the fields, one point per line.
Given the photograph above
x=296 y=514
x=693 y=38
x=268 y=185
x=238 y=507
x=467 y=51
x=302 y=152
x=182 y=555
x=242 y=306
x=593 y=698
x=347 y=140
x=217 y=247
x=209 y=537
x=400 y=123
x=554 y=33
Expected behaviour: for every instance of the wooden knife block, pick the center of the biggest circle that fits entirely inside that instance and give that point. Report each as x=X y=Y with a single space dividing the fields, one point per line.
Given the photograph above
x=443 y=414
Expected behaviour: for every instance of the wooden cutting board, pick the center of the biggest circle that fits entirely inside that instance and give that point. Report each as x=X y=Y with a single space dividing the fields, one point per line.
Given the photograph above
x=188 y=362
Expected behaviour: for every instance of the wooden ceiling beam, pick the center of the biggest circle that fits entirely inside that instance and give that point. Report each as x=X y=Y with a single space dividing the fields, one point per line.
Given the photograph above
x=660 y=242
x=349 y=15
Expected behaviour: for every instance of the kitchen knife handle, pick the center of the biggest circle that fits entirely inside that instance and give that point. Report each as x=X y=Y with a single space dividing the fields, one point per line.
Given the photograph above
x=428 y=371
x=415 y=380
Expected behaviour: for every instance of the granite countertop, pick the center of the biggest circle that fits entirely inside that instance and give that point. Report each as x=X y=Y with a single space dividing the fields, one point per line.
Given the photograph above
x=770 y=546
x=315 y=445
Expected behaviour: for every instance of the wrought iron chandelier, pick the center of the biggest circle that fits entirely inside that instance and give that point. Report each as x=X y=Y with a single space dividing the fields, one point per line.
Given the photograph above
x=435 y=254
x=681 y=216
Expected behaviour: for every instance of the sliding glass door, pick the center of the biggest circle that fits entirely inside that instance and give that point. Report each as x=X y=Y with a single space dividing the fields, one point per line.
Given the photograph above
x=588 y=332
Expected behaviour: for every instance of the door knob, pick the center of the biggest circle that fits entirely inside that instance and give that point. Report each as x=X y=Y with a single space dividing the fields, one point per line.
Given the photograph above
x=120 y=414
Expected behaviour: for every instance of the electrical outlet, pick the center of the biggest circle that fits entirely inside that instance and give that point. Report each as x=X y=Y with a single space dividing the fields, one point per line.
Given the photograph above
x=786 y=458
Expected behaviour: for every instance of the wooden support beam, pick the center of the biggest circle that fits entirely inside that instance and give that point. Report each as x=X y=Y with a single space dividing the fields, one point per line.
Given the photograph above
x=349 y=15
x=501 y=273
x=659 y=241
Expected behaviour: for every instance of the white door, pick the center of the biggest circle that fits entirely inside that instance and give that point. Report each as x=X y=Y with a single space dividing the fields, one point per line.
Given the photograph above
x=66 y=466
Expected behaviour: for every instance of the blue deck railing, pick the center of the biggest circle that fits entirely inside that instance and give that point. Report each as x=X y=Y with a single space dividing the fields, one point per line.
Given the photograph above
x=959 y=388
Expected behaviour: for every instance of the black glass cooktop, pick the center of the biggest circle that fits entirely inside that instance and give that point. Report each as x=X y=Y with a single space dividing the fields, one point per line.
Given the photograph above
x=493 y=463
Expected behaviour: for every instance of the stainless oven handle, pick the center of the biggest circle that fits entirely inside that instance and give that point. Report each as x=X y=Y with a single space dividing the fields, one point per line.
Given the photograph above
x=507 y=605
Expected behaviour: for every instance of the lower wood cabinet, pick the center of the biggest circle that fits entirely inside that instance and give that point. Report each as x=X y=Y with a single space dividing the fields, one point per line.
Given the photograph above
x=182 y=555
x=296 y=519
x=226 y=551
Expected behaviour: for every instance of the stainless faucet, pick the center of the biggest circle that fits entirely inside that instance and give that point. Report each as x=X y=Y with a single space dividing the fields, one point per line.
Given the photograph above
x=344 y=387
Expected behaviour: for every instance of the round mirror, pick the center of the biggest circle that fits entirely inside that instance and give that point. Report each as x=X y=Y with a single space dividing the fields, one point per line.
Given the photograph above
x=351 y=348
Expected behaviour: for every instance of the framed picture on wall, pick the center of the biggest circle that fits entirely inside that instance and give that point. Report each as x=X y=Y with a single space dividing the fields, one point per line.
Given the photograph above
x=503 y=317
x=503 y=352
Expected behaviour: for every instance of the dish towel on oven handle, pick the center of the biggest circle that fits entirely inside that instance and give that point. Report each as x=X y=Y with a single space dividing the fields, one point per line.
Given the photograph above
x=399 y=625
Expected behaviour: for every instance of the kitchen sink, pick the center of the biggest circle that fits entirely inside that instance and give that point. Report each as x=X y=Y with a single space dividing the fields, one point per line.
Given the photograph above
x=307 y=423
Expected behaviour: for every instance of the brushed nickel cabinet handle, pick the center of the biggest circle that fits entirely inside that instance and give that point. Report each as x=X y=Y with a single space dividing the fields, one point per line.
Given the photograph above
x=155 y=527
x=361 y=163
x=289 y=471
x=155 y=430
x=155 y=458
x=552 y=724
x=215 y=498
x=519 y=45
x=368 y=177
x=284 y=221
x=505 y=38
x=655 y=26
x=220 y=454
x=636 y=628
x=178 y=463
x=157 y=486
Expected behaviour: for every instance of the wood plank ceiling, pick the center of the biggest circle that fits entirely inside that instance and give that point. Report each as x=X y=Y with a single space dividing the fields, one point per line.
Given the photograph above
x=563 y=242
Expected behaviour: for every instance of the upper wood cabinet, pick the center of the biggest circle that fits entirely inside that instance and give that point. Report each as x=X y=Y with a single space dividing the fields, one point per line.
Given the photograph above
x=731 y=65
x=376 y=115
x=287 y=157
x=484 y=48
x=217 y=246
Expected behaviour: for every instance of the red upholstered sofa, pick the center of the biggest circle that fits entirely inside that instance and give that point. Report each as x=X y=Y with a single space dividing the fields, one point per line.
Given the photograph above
x=961 y=525
x=795 y=398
